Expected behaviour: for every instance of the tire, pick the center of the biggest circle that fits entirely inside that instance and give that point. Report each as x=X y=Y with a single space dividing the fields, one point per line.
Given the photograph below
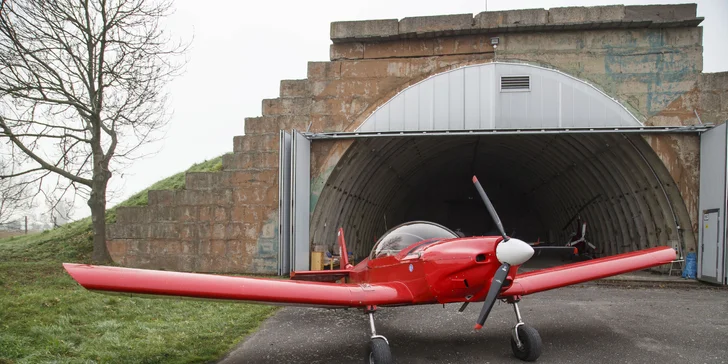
x=531 y=341
x=379 y=352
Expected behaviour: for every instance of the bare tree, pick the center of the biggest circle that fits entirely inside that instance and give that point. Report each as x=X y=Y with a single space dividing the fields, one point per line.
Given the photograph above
x=14 y=197
x=82 y=87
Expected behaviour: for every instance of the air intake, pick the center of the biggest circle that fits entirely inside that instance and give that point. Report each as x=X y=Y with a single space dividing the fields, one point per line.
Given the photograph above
x=515 y=83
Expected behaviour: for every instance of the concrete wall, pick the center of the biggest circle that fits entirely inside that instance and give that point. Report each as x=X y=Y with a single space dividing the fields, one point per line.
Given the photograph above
x=647 y=57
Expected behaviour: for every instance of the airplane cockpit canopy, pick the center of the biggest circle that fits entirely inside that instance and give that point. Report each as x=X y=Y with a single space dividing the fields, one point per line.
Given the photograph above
x=404 y=235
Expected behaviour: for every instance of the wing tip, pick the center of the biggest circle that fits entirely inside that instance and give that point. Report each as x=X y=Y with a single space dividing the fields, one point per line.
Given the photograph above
x=73 y=270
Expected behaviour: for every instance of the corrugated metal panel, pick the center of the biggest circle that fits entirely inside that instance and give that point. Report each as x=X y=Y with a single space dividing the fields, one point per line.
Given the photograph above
x=472 y=98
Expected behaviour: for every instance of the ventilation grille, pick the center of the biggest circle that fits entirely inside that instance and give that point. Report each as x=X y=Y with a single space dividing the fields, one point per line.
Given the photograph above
x=515 y=83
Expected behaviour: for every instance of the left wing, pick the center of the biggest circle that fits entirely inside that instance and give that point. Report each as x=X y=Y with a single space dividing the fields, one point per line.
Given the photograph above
x=208 y=286
x=565 y=275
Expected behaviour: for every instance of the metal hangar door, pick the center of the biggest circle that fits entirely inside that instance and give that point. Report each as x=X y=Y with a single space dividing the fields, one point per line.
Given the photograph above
x=294 y=196
x=712 y=207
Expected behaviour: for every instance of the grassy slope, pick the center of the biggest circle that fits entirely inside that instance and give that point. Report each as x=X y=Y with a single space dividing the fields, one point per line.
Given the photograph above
x=46 y=317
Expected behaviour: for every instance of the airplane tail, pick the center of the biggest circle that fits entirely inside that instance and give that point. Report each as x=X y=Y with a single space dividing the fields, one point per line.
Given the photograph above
x=328 y=275
x=344 y=254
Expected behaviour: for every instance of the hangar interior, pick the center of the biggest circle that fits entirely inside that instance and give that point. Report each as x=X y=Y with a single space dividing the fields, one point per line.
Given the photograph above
x=539 y=184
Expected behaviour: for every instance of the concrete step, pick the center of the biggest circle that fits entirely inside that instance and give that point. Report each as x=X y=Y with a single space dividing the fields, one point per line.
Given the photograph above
x=295 y=88
x=247 y=160
x=180 y=214
x=273 y=124
x=183 y=231
x=253 y=193
x=231 y=179
x=267 y=142
x=218 y=196
x=287 y=106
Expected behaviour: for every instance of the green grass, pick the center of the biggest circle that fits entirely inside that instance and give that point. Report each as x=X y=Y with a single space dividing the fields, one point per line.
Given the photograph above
x=46 y=317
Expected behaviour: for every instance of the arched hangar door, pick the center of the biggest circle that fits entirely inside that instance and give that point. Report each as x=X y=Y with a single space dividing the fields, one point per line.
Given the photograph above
x=548 y=147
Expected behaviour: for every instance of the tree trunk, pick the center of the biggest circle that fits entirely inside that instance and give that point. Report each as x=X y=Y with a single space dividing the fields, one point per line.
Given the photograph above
x=97 y=203
x=100 y=254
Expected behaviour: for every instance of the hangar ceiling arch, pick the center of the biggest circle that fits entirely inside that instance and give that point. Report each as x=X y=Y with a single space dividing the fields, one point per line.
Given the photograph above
x=538 y=183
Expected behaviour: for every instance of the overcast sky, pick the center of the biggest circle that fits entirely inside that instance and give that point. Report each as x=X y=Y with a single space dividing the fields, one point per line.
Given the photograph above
x=242 y=49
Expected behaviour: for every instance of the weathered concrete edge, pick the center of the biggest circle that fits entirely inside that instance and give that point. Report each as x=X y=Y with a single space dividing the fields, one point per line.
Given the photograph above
x=576 y=18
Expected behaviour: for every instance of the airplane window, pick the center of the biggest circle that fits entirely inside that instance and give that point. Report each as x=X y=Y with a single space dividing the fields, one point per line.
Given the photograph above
x=402 y=236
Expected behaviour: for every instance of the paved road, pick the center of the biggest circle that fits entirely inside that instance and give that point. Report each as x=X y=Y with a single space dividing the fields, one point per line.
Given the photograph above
x=582 y=324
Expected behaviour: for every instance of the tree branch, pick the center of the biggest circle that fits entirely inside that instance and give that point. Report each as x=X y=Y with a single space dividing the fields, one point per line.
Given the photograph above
x=38 y=159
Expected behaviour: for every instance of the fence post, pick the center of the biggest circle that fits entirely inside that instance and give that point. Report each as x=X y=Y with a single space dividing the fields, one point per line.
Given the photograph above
x=26 y=225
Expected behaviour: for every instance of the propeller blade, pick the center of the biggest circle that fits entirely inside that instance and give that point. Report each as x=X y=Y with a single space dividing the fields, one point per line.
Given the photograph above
x=495 y=286
x=490 y=208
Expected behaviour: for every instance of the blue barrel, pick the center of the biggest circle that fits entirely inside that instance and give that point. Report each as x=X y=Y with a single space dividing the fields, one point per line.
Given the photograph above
x=691 y=266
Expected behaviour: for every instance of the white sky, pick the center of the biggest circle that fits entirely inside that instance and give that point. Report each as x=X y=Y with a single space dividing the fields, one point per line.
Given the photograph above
x=242 y=49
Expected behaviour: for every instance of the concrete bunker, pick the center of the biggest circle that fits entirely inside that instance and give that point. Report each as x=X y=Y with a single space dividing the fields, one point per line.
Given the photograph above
x=550 y=158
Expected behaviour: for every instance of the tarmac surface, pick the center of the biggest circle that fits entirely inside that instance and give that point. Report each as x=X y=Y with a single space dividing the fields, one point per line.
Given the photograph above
x=580 y=324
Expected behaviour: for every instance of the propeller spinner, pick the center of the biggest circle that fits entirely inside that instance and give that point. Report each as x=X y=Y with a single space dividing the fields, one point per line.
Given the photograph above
x=509 y=252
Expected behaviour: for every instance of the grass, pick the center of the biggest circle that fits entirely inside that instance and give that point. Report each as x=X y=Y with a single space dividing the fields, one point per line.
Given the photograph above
x=46 y=317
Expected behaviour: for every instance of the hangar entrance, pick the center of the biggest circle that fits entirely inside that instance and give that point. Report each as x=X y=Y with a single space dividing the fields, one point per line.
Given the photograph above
x=541 y=186
x=548 y=148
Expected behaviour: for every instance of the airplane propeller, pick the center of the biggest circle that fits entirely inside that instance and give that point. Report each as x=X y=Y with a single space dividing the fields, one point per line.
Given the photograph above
x=510 y=251
x=490 y=208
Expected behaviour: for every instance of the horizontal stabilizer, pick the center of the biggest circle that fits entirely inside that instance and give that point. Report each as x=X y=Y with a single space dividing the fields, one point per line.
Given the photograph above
x=565 y=275
x=261 y=290
x=320 y=275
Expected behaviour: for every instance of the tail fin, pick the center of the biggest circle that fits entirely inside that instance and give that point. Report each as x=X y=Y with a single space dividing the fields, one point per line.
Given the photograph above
x=344 y=255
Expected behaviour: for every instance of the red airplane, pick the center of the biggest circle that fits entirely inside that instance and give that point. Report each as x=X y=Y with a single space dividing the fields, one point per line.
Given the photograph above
x=412 y=264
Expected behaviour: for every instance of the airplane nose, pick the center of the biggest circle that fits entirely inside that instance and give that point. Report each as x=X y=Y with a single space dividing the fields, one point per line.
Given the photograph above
x=513 y=252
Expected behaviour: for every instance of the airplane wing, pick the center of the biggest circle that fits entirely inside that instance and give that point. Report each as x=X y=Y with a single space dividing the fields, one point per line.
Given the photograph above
x=565 y=275
x=260 y=290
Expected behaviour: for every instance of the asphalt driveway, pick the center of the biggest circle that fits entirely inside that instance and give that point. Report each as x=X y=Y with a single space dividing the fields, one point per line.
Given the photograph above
x=581 y=324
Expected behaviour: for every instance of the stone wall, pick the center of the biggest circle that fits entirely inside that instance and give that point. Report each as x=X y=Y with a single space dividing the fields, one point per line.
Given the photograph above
x=647 y=57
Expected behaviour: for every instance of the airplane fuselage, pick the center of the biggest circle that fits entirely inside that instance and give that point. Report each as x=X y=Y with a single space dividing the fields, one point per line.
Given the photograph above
x=452 y=270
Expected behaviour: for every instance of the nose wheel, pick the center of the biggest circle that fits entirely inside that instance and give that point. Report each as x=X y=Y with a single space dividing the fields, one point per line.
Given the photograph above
x=525 y=340
x=378 y=352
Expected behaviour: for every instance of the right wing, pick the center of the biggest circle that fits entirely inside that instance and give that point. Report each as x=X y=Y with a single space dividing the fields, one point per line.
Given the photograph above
x=565 y=275
x=209 y=286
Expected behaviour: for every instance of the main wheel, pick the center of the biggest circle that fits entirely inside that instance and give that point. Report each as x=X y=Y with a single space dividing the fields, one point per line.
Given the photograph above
x=531 y=344
x=379 y=352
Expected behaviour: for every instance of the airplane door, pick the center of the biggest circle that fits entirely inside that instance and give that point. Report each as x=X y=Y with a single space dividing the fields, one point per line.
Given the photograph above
x=712 y=232
x=709 y=244
x=284 y=203
x=300 y=201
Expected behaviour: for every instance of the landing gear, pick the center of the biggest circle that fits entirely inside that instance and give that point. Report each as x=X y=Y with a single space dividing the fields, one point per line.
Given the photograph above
x=525 y=340
x=378 y=352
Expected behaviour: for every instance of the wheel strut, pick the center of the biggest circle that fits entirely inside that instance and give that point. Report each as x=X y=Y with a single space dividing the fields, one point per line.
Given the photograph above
x=379 y=352
x=373 y=329
x=518 y=324
x=526 y=345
